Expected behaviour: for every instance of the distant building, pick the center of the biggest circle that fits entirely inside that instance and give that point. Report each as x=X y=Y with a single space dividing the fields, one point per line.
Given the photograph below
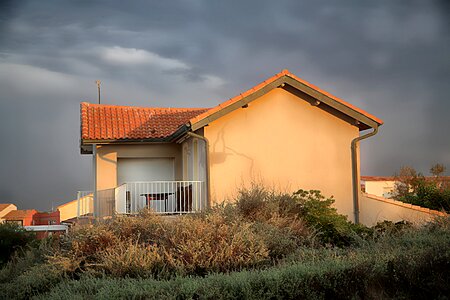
x=43 y=223
x=46 y=218
x=21 y=217
x=5 y=208
x=382 y=186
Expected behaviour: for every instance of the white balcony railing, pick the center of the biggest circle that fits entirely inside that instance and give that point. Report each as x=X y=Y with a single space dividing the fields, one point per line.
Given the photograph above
x=85 y=204
x=164 y=197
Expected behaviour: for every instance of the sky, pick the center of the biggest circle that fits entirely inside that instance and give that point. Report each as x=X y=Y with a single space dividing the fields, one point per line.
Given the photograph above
x=390 y=58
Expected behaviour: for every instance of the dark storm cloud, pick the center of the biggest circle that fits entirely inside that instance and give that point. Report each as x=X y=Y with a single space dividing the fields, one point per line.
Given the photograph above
x=388 y=57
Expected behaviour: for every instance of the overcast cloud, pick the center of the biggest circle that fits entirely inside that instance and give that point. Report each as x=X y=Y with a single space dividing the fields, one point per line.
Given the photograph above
x=391 y=58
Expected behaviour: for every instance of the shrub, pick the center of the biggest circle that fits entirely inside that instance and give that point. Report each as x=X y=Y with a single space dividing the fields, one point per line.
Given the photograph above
x=149 y=246
x=35 y=280
x=252 y=203
x=283 y=235
x=130 y=258
x=318 y=213
x=390 y=228
x=205 y=245
x=12 y=238
x=21 y=261
x=412 y=265
x=412 y=187
x=311 y=207
x=88 y=241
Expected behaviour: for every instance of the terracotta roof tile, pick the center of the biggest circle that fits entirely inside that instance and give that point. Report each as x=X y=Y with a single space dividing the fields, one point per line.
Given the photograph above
x=110 y=122
x=4 y=205
x=19 y=214
x=378 y=178
x=393 y=178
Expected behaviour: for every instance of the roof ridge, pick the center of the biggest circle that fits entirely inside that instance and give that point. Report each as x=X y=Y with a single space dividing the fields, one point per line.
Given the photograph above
x=393 y=177
x=19 y=212
x=284 y=72
x=88 y=104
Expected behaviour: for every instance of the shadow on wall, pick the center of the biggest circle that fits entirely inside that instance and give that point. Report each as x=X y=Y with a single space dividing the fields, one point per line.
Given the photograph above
x=219 y=157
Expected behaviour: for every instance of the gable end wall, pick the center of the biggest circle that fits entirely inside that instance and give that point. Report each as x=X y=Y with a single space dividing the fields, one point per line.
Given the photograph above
x=285 y=143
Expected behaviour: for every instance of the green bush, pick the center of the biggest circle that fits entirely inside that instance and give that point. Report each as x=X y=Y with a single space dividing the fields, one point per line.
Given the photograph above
x=318 y=213
x=35 y=280
x=430 y=192
x=21 y=262
x=12 y=238
x=429 y=195
x=279 y=242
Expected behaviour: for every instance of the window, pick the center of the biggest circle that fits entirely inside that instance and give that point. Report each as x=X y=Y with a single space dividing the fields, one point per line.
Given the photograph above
x=18 y=222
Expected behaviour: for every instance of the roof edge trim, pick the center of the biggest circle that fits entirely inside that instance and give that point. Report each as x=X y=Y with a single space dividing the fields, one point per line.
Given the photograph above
x=285 y=78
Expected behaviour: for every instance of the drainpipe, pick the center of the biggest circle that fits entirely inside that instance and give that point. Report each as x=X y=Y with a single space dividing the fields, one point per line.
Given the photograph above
x=208 y=185
x=355 y=177
x=94 y=154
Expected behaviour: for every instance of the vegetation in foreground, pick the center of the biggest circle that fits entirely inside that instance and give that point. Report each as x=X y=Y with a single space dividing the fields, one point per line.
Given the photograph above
x=13 y=238
x=266 y=245
x=430 y=192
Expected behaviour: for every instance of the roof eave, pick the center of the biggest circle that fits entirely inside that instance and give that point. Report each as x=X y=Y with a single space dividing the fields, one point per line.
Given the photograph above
x=363 y=121
x=87 y=144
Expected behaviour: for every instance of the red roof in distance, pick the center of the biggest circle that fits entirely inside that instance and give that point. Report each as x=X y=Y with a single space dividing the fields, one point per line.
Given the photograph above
x=19 y=214
x=393 y=178
x=4 y=206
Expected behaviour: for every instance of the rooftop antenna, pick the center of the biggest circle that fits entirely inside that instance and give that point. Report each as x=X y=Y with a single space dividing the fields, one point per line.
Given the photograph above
x=98 y=82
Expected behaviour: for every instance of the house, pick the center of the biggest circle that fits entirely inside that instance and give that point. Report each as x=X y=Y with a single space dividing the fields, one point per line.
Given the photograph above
x=46 y=218
x=384 y=186
x=44 y=224
x=21 y=217
x=5 y=208
x=284 y=133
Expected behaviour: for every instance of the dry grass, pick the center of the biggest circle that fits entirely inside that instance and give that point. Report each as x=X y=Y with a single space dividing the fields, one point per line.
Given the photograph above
x=149 y=246
x=261 y=228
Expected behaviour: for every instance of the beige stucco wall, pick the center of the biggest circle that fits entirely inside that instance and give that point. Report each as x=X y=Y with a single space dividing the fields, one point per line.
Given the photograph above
x=107 y=155
x=376 y=209
x=6 y=211
x=379 y=188
x=282 y=142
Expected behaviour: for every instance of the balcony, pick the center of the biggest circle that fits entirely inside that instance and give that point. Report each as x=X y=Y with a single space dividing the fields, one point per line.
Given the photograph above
x=163 y=197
